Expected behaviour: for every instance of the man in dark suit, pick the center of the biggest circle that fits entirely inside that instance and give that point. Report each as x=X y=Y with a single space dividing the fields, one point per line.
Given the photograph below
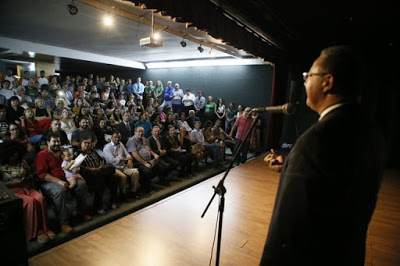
x=330 y=180
x=125 y=128
x=157 y=144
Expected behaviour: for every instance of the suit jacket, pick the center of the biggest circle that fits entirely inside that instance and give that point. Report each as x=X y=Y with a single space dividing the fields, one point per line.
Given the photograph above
x=327 y=193
x=153 y=144
x=125 y=134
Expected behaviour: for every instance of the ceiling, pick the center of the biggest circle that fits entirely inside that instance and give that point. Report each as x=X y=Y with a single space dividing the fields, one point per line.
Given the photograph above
x=45 y=26
x=290 y=28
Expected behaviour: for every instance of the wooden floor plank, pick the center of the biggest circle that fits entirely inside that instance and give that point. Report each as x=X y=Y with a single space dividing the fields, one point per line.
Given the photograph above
x=171 y=232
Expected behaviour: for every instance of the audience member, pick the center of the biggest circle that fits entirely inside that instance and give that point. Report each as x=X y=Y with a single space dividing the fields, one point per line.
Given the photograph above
x=183 y=123
x=98 y=175
x=176 y=99
x=242 y=124
x=16 y=174
x=198 y=137
x=230 y=117
x=210 y=109
x=14 y=111
x=157 y=144
x=220 y=111
x=176 y=152
x=54 y=184
x=31 y=126
x=146 y=160
x=82 y=132
x=188 y=101
x=117 y=155
x=159 y=93
x=167 y=95
x=71 y=172
x=145 y=124
x=199 y=105
x=138 y=88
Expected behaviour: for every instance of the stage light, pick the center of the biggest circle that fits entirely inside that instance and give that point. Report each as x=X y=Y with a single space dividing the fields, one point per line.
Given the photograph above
x=156 y=36
x=183 y=43
x=201 y=49
x=73 y=10
x=108 y=21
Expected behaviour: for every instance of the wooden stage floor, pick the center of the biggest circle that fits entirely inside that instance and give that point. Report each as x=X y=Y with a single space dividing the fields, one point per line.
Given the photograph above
x=171 y=232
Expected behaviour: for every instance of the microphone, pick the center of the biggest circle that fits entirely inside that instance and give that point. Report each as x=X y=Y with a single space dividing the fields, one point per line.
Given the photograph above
x=286 y=108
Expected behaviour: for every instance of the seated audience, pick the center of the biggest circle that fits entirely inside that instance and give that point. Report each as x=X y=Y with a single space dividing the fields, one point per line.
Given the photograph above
x=178 y=153
x=31 y=126
x=55 y=127
x=13 y=110
x=158 y=145
x=145 y=159
x=117 y=155
x=126 y=128
x=16 y=174
x=103 y=134
x=192 y=118
x=145 y=124
x=67 y=122
x=97 y=174
x=220 y=135
x=41 y=112
x=116 y=117
x=55 y=186
x=198 y=137
x=82 y=132
x=183 y=123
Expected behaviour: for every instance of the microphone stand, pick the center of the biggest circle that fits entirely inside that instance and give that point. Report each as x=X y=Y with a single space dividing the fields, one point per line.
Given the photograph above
x=221 y=190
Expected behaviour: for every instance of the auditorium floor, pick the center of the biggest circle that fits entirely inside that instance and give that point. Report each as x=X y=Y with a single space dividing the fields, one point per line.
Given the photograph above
x=206 y=170
x=171 y=232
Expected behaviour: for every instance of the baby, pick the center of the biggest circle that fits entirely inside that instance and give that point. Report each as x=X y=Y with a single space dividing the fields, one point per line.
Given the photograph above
x=70 y=174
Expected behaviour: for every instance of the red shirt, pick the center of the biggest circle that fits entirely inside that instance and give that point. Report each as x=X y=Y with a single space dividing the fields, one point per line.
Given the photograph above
x=243 y=126
x=46 y=163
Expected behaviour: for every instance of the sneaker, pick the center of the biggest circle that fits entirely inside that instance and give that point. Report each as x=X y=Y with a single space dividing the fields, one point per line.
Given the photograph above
x=66 y=228
x=101 y=212
x=42 y=238
x=50 y=235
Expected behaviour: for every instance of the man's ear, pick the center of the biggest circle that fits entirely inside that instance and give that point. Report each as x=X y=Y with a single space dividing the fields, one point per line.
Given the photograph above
x=327 y=83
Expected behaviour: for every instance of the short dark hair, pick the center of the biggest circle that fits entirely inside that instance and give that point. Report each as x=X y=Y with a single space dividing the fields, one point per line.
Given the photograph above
x=343 y=63
x=83 y=118
x=53 y=135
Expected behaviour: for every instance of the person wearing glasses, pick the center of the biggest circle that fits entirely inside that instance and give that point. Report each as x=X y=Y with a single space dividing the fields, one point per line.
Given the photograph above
x=327 y=195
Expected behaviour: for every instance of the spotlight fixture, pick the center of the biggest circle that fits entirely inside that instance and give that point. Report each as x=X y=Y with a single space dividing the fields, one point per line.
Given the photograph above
x=201 y=49
x=72 y=8
x=183 y=43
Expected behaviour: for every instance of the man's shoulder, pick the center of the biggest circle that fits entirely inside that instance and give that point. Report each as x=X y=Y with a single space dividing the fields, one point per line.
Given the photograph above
x=108 y=145
x=43 y=154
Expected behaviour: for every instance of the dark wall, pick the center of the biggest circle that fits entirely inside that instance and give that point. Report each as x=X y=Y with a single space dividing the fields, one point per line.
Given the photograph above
x=245 y=85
